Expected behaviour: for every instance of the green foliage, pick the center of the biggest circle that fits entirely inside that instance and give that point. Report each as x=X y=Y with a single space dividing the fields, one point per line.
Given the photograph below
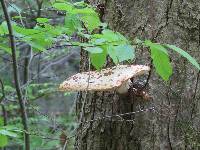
x=98 y=59
x=40 y=38
x=4 y=44
x=112 y=44
x=123 y=52
x=5 y=132
x=3 y=140
x=160 y=59
x=94 y=50
x=64 y=6
x=72 y=23
x=5 y=48
x=89 y=17
x=42 y=20
x=40 y=90
x=82 y=12
x=184 y=54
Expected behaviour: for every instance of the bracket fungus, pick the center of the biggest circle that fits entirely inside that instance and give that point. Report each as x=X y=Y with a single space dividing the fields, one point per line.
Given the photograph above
x=115 y=78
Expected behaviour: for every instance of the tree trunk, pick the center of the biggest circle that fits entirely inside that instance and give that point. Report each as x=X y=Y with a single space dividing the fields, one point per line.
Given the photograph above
x=175 y=122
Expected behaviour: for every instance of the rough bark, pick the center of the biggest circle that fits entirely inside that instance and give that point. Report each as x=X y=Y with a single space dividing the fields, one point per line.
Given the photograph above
x=175 y=122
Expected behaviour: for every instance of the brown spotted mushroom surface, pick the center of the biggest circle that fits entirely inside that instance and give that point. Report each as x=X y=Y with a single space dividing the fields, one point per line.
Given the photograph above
x=104 y=80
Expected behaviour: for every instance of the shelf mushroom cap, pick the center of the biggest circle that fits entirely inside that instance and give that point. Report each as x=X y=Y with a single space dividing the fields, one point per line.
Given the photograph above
x=107 y=79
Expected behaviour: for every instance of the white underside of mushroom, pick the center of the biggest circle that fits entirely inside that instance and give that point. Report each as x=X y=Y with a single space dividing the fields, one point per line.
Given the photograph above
x=124 y=87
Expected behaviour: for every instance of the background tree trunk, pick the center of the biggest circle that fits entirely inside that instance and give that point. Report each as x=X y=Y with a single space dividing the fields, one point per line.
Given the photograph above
x=175 y=122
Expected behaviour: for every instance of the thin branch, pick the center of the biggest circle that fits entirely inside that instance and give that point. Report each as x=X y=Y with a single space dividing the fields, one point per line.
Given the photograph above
x=16 y=76
x=39 y=3
x=2 y=90
x=5 y=115
x=27 y=62
x=65 y=145
x=8 y=60
x=4 y=112
x=34 y=78
x=17 y=12
x=120 y=116
x=149 y=75
x=86 y=93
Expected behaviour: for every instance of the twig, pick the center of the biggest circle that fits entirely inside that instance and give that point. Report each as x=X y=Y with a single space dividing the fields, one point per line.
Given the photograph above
x=149 y=75
x=65 y=145
x=39 y=3
x=40 y=135
x=18 y=13
x=120 y=116
x=2 y=105
x=34 y=77
x=27 y=62
x=16 y=76
x=84 y=100
x=2 y=90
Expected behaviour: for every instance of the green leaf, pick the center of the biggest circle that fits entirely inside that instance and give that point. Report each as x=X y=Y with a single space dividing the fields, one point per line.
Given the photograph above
x=82 y=44
x=112 y=53
x=18 y=17
x=2 y=31
x=42 y=20
x=89 y=17
x=121 y=53
x=39 y=38
x=36 y=46
x=12 y=128
x=7 y=133
x=160 y=59
x=3 y=140
x=94 y=50
x=184 y=54
x=1 y=121
x=98 y=60
x=3 y=28
x=84 y=11
x=91 y=21
x=124 y=52
x=6 y=49
x=36 y=141
x=80 y=4
x=110 y=37
x=64 y=6
x=21 y=32
x=98 y=41
x=156 y=46
x=72 y=23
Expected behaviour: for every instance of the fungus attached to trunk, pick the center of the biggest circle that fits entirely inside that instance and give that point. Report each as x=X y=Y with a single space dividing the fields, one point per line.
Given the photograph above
x=115 y=78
